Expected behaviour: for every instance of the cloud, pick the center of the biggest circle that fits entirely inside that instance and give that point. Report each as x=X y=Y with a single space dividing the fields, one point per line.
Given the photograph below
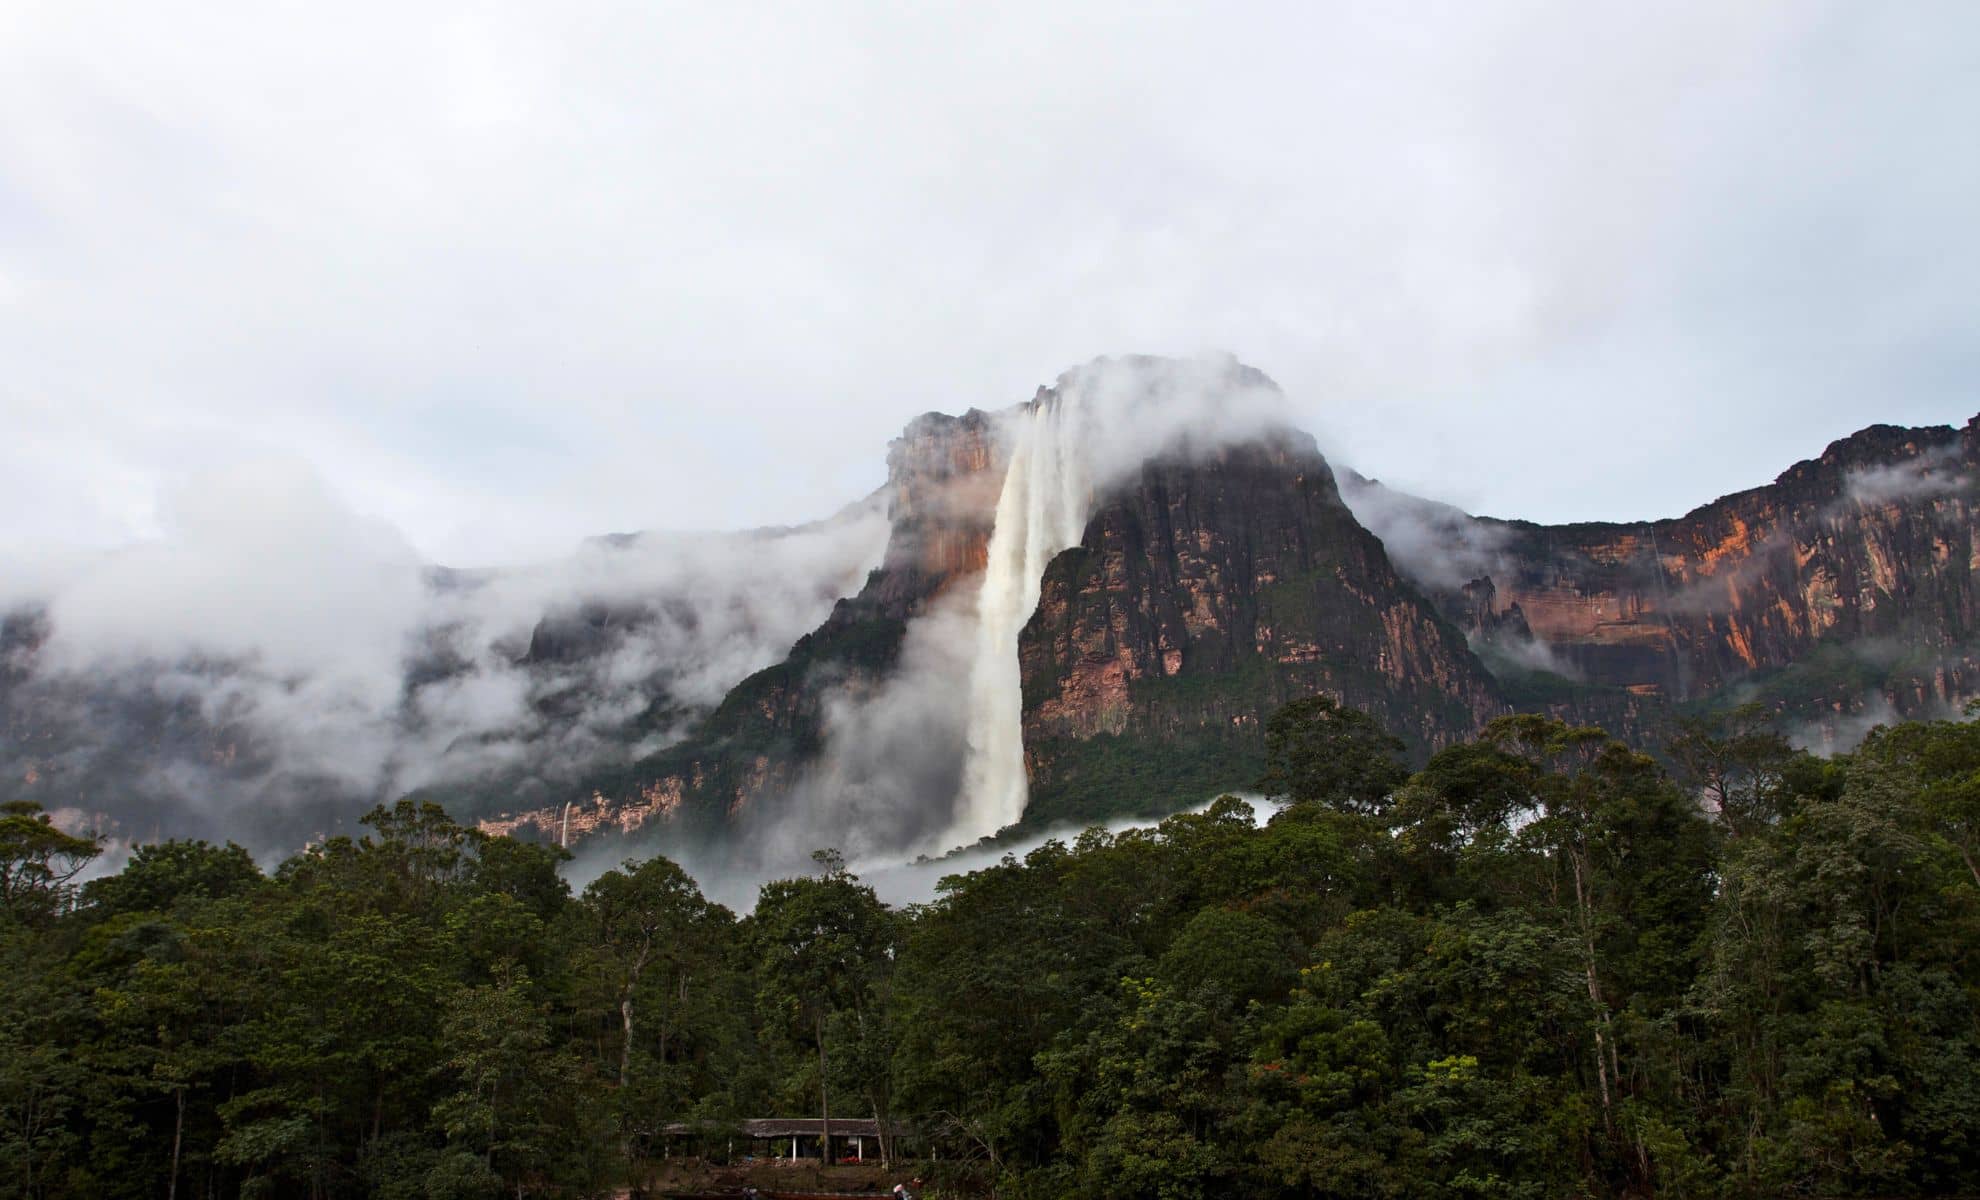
x=1933 y=473
x=1432 y=543
x=890 y=771
x=277 y=659
x=515 y=275
x=918 y=881
x=1841 y=731
x=275 y=656
x=1137 y=408
x=258 y=562
x=1522 y=652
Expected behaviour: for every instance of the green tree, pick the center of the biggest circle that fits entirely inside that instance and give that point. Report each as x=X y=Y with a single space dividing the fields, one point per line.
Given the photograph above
x=1738 y=763
x=652 y=940
x=38 y=862
x=1321 y=752
x=1004 y=961
x=44 y=1074
x=1939 y=761
x=499 y=1055
x=824 y=945
x=158 y=875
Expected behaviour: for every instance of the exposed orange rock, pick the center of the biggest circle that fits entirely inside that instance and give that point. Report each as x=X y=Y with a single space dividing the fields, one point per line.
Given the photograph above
x=1754 y=581
x=1205 y=594
x=583 y=820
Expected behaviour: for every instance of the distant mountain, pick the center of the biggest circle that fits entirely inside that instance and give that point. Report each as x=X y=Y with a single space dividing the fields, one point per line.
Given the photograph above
x=1844 y=589
x=1209 y=586
x=523 y=679
x=1080 y=607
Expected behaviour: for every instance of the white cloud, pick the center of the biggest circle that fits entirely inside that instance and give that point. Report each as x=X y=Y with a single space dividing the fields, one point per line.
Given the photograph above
x=313 y=641
x=260 y=561
x=514 y=274
x=1931 y=474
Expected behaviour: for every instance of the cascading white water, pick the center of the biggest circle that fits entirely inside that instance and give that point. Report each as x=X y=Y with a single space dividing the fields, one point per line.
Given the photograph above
x=1041 y=512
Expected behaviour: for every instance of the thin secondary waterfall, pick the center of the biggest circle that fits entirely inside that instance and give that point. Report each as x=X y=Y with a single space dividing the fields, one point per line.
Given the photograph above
x=1041 y=512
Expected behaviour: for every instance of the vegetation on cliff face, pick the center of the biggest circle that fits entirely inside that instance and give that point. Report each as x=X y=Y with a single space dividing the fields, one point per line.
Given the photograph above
x=1199 y=601
x=1536 y=966
x=1866 y=551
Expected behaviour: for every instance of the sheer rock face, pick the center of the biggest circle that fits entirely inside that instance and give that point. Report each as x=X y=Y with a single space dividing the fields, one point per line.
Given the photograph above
x=1206 y=593
x=943 y=475
x=1852 y=576
x=1203 y=596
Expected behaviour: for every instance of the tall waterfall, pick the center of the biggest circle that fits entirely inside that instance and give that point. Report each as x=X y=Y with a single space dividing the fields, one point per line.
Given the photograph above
x=1041 y=512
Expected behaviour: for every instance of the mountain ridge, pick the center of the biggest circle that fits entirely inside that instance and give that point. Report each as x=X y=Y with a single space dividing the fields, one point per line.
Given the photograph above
x=1105 y=753
x=1224 y=566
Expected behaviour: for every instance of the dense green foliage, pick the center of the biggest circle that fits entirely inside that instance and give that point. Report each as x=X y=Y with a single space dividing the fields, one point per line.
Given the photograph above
x=1096 y=779
x=1539 y=966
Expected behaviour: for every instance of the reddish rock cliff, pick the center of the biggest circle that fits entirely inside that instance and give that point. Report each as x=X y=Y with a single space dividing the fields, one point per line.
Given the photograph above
x=943 y=474
x=1202 y=597
x=1205 y=593
x=1852 y=574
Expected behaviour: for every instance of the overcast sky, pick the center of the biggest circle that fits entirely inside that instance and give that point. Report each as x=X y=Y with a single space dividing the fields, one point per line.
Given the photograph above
x=506 y=275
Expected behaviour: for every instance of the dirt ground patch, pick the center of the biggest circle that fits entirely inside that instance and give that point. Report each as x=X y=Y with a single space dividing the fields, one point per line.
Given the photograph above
x=695 y=1175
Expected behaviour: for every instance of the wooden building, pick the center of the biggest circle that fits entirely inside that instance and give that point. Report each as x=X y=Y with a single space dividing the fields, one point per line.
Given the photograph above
x=853 y=1139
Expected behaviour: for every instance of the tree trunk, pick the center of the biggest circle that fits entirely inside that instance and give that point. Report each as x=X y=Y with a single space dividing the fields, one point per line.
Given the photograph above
x=824 y=1092
x=1972 y=867
x=316 y=1162
x=626 y=1012
x=1602 y=1049
x=178 y=1130
x=885 y=1137
x=488 y=1156
x=625 y=1046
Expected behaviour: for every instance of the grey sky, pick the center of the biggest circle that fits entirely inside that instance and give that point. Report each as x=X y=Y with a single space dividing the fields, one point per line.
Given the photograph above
x=506 y=275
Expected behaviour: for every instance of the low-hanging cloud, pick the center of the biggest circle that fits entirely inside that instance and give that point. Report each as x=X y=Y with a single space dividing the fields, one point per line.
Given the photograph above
x=274 y=650
x=304 y=659
x=257 y=562
x=1134 y=409
x=1843 y=730
x=888 y=780
x=1931 y=474
x=1432 y=543
x=1522 y=652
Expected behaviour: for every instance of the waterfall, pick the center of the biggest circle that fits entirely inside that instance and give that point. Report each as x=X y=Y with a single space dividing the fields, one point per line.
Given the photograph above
x=564 y=840
x=1041 y=512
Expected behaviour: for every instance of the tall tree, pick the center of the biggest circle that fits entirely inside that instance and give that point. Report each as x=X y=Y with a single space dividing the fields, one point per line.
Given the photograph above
x=824 y=945
x=1318 y=750
x=38 y=862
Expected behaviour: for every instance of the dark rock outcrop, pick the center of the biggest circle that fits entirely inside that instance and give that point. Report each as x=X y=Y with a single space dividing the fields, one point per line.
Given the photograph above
x=1209 y=586
x=1204 y=596
x=1207 y=590
x=1850 y=580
